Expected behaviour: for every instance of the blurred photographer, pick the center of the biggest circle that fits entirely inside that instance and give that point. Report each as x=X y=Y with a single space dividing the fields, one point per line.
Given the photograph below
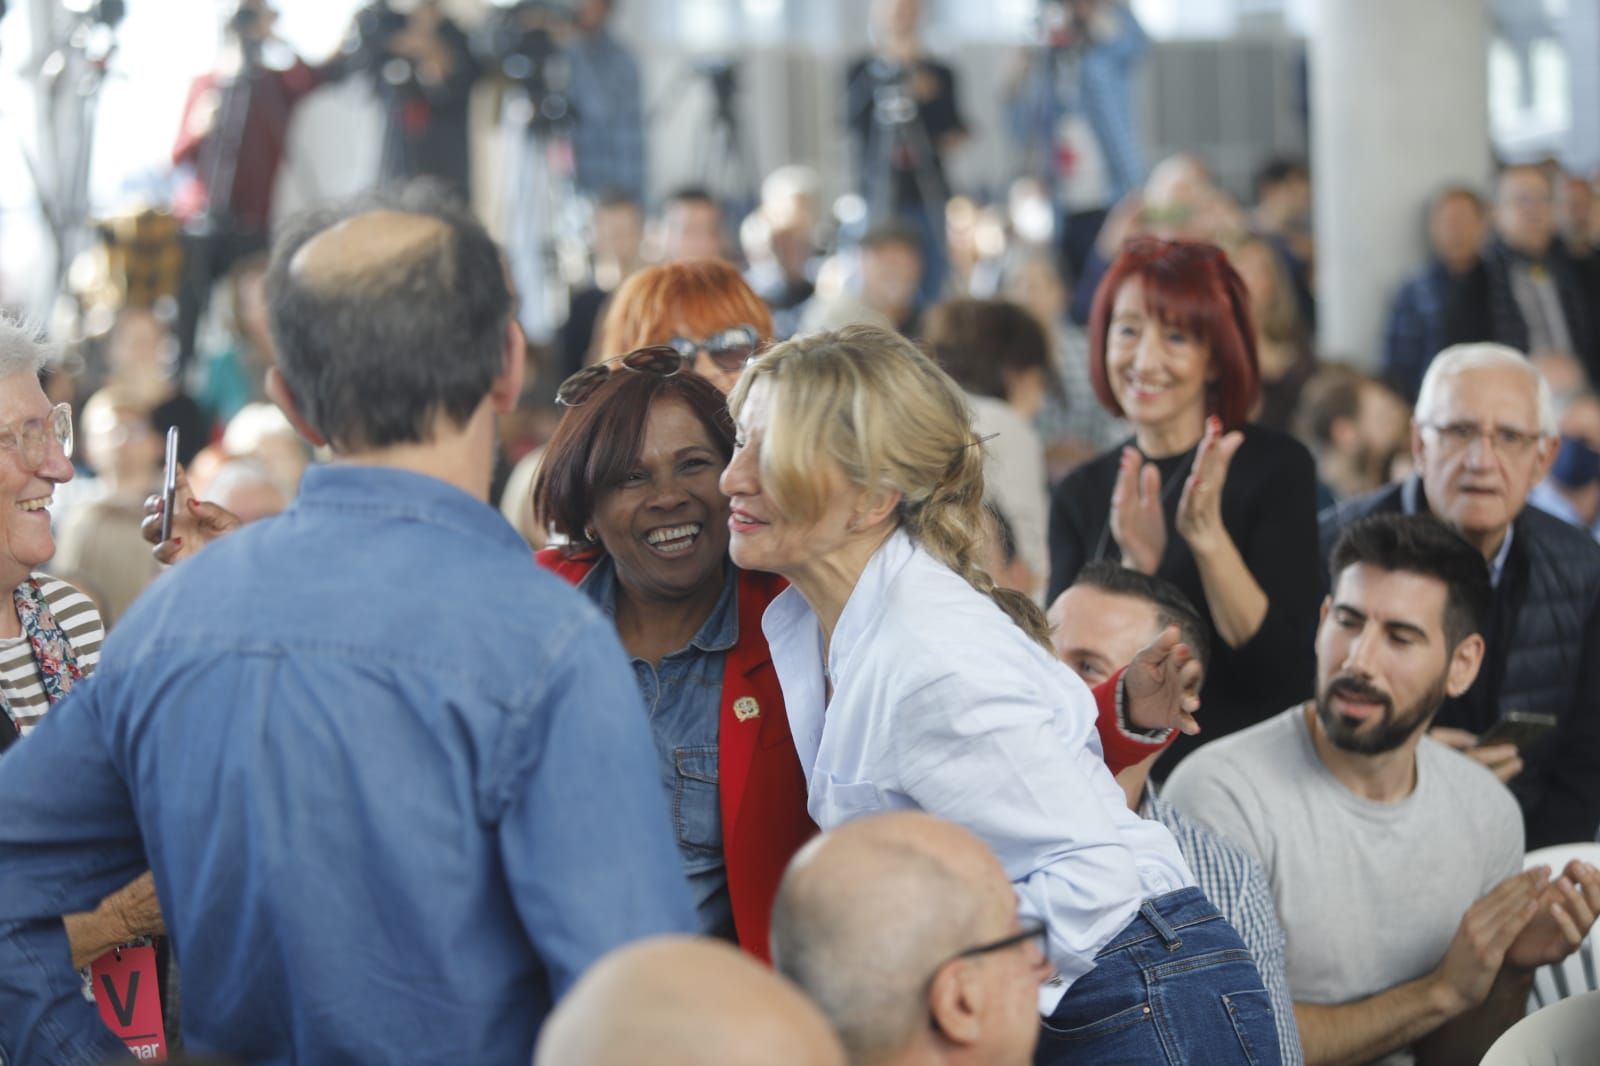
x=423 y=69
x=1070 y=106
x=900 y=104
x=231 y=142
x=608 y=129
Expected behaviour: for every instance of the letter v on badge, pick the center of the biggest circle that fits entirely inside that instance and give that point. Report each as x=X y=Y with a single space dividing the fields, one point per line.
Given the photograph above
x=128 y=993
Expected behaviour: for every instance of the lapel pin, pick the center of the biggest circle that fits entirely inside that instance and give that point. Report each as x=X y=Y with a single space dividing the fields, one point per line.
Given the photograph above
x=746 y=708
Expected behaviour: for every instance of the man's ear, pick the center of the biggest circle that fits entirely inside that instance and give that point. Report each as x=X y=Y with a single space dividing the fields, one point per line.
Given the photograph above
x=955 y=1002
x=1464 y=663
x=279 y=392
x=508 y=384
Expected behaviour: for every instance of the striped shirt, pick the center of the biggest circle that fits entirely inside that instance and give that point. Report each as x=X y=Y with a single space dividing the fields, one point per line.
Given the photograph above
x=1235 y=882
x=20 y=682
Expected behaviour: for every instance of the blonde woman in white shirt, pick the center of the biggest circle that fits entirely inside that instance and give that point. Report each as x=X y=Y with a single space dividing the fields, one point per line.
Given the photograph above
x=912 y=683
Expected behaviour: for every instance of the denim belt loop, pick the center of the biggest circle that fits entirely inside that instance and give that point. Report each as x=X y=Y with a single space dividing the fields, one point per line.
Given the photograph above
x=1169 y=935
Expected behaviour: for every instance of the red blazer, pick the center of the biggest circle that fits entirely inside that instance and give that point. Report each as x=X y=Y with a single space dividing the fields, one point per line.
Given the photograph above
x=761 y=786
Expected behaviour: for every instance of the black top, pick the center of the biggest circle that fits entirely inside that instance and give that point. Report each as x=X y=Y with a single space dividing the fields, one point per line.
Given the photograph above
x=906 y=149
x=1269 y=506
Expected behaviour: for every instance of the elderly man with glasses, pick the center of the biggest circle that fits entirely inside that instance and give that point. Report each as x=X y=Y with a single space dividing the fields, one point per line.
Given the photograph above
x=1484 y=434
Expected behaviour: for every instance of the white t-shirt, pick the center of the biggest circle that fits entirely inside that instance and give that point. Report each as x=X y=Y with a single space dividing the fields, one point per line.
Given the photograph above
x=1369 y=894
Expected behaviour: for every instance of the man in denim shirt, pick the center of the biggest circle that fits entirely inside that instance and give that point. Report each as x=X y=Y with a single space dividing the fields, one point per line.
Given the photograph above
x=394 y=782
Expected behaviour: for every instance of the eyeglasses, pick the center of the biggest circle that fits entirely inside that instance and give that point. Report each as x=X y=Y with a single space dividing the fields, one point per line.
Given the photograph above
x=657 y=359
x=1507 y=443
x=730 y=349
x=1032 y=929
x=31 y=439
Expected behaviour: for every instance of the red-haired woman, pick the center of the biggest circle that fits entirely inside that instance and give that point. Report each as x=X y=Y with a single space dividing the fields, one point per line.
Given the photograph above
x=701 y=307
x=1224 y=509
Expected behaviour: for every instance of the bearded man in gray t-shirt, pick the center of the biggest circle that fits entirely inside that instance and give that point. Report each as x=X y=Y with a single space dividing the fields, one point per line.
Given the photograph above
x=1411 y=935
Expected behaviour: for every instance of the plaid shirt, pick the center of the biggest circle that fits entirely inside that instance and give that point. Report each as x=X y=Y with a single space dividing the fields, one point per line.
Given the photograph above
x=608 y=137
x=1235 y=882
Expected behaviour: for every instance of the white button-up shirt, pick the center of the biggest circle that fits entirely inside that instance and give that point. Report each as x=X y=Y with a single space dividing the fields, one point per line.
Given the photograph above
x=941 y=703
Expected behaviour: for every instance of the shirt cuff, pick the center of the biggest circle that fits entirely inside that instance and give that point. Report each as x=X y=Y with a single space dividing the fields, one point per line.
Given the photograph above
x=1154 y=737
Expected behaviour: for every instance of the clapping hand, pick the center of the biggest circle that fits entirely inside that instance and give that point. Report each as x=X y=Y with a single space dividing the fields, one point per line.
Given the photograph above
x=1567 y=909
x=1200 y=506
x=1137 y=523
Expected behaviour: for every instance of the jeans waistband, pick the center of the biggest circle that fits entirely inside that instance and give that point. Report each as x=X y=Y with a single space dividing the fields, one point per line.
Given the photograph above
x=1165 y=917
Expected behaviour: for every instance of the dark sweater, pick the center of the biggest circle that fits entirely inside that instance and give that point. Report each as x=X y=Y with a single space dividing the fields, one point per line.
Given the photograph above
x=1269 y=508
x=1542 y=657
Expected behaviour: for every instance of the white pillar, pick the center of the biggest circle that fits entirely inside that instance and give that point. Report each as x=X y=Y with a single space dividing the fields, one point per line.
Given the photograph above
x=1582 y=37
x=1399 y=107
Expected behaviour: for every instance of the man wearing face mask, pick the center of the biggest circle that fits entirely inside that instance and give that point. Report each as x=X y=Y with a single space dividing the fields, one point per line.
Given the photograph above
x=1412 y=934
x=1572 y=491
x=1484 y=434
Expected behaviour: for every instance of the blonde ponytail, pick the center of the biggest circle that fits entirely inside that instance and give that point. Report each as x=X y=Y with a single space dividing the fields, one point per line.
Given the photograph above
x=949 y=524
x=890 y=417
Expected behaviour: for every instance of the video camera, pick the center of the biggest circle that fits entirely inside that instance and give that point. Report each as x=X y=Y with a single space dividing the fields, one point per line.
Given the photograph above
x=518 y=41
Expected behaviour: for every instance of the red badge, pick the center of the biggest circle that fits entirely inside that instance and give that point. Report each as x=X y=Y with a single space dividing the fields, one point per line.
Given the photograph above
x=129 y=995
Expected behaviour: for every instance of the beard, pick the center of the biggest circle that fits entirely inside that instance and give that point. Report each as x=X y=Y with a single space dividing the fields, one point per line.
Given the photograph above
x=1393 y=728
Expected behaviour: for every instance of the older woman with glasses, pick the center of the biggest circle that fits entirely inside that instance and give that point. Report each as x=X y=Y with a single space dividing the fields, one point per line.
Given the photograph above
x=50 y=639
x=1223 y=509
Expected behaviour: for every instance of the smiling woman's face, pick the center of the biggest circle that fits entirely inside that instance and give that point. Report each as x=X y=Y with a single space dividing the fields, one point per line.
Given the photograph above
x=665 y=523
x=1157 y=372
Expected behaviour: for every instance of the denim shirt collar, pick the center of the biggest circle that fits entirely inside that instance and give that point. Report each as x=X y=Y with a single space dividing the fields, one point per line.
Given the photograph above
x=720 y=630
x=404 y=494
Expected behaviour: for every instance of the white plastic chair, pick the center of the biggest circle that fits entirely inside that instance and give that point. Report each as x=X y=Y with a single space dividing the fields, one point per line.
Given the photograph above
x=1566 y=1034
x=1577 y=972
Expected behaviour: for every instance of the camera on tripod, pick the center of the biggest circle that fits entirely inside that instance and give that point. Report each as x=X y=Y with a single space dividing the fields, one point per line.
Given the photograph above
x=520 y=43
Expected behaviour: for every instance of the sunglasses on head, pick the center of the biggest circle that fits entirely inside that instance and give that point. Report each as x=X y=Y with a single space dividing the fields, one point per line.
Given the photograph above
x=657 y=359
x=729 y=349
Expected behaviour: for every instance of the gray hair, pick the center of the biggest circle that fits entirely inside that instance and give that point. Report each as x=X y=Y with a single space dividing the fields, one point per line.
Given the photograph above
x=1459 y=358
x=22 y=348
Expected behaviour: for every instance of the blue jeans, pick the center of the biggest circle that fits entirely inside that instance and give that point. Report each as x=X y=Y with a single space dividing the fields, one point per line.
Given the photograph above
x=1177 y=986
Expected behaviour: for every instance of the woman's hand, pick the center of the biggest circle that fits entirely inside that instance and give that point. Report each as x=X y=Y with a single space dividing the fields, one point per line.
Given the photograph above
x=1137 y=523
x=194 y=523
x=1200 y=506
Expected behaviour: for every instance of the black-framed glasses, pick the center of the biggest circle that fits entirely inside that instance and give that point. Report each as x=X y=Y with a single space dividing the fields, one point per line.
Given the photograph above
x=1032 y=930
x=729 y=349
x=658 y=359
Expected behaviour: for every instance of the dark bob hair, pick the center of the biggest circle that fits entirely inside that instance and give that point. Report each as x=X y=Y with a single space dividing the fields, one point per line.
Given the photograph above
x=598 y=442
x=1191 y=286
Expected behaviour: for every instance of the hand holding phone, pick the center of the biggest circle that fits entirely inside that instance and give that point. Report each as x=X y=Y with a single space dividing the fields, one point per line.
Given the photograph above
x=169 y=484
x=1520 y=728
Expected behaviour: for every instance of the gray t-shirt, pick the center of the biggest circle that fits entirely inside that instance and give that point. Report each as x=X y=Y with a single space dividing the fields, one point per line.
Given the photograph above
x=1369 y=894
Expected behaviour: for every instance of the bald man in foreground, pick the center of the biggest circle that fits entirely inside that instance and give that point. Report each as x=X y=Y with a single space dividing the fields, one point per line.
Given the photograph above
x=903 y=928
x=686 y=1001
x=385 y=770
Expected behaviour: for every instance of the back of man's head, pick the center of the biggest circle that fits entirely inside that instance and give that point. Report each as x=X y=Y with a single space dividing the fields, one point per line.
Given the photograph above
x=679 y=1001
x=867 y=920
x=1421 y=544
x=388 y=314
